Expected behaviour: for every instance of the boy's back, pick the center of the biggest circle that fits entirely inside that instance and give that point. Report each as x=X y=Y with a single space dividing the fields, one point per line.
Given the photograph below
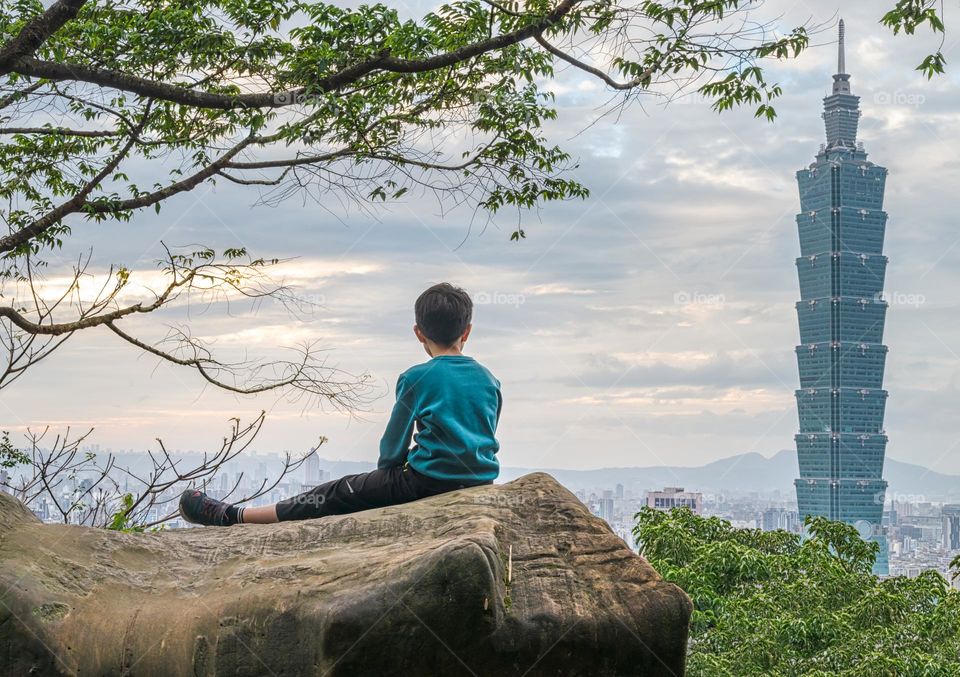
x=453 y=402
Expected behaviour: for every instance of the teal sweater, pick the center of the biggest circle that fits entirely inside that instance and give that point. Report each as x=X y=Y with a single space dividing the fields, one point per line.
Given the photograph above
x=455 y=403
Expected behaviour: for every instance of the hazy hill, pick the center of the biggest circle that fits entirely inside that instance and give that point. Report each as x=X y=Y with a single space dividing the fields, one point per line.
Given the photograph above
x=748 y=472
x=741 y=473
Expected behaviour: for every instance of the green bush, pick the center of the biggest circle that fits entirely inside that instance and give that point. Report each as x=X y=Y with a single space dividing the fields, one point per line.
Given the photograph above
x=772 y=603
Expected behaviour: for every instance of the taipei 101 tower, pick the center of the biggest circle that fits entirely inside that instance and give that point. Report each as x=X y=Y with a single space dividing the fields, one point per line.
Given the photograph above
x=841 y=443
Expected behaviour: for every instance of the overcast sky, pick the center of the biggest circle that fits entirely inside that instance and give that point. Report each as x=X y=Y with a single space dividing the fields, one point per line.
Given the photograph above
x=652 y=323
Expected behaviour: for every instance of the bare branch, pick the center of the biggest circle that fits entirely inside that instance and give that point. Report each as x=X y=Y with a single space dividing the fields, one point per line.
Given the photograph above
x=307 y=375
x=631 y=84
x=82 y=488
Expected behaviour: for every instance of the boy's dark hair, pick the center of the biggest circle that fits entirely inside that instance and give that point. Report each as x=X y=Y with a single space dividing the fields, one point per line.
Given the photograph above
x=443 y=313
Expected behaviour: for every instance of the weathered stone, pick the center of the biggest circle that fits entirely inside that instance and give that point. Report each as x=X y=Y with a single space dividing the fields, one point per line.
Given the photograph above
x=418 y=589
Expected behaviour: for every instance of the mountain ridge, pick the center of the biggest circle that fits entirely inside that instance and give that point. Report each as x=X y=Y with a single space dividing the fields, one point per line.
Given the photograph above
x=753 y=472
x=741 y=473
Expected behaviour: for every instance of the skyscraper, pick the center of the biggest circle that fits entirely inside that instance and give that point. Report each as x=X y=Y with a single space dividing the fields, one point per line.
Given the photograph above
x=841 y=443
x=951 y=527
x=312 y=471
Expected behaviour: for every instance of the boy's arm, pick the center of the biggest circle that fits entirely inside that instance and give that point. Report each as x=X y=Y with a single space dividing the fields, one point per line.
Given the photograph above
x=395 y=442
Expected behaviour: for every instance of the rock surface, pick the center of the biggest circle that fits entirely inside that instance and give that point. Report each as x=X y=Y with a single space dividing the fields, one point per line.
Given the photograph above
x=418 y=589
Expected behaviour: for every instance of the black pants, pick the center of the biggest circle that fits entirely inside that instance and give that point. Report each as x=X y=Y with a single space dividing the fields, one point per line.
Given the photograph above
x=363 y=491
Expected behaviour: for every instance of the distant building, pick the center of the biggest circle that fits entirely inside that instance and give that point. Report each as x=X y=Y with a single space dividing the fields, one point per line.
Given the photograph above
x=312 y=473
x=778 y=518
x=41 y=508
x=913 y=571
x=675 y=497
x=951 y=527
x=841 y=312
x=911 y=531
x=606 y=509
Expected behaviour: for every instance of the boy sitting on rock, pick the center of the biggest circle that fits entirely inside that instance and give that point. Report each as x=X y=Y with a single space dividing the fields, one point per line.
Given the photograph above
x=452 y=404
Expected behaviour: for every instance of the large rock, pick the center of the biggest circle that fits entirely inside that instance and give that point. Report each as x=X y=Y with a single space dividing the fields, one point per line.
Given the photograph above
x=418 y=589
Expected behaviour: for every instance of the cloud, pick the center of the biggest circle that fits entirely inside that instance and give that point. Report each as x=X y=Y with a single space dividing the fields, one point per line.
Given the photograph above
x=655 y=371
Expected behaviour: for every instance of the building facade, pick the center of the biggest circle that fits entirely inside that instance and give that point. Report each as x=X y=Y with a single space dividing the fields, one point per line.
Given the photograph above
x=841 y=312
x=778 y=518
x=675 y=497
x=950 y=532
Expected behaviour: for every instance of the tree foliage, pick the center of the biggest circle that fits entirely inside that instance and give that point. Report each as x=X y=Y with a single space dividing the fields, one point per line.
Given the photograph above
x=771 y=603
x=907 y=16
x=109 y=108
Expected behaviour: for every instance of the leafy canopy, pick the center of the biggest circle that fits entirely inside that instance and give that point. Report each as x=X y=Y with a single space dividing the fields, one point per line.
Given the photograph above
x=113 y=107
x=771 y=603
x=359 y=103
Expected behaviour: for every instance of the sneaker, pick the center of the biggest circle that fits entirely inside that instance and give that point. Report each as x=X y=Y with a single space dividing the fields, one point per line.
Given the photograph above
x=198 y=508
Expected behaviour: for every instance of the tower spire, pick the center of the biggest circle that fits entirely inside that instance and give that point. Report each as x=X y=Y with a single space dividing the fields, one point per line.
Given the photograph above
x=841 y=80
x=841 y=59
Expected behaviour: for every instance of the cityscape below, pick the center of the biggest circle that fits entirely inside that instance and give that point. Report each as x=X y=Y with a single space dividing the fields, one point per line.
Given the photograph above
x=750 y=491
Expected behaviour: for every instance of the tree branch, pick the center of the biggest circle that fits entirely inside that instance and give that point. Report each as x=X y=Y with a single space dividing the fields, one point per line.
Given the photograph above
x=36 y=31
x=74 y=204
x=30 y=66
x=79 y=201
x=594 y=71
x=88 y=322
x=60 y=131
